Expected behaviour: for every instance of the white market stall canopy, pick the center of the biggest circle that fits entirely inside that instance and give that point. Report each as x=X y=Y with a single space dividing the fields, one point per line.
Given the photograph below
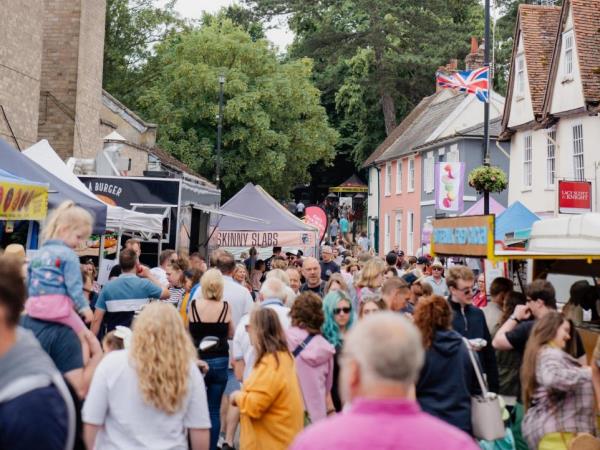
x=573 y=235
x=117 y=218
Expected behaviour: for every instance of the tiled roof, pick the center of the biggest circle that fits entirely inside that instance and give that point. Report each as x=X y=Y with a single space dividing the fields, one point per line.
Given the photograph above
x=538 y=26
x=586 y=22
x=477 y=130
x=418 y=132
x=397 y=132
x=170 y=161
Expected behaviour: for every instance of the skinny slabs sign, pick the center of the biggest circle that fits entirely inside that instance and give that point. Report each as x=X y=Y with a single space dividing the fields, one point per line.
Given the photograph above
x=574 y=197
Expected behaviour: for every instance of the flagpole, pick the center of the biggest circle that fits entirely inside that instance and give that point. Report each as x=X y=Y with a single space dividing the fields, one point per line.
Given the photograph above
x=486 y=105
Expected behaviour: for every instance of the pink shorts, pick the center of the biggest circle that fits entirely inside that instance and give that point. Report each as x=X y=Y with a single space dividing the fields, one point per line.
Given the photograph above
x=55 y=308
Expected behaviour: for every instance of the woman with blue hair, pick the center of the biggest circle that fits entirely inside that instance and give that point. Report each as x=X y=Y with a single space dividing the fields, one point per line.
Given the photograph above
x=339 y=318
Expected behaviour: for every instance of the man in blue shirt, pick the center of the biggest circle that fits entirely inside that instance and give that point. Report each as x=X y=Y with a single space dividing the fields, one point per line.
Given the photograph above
x=121 y=298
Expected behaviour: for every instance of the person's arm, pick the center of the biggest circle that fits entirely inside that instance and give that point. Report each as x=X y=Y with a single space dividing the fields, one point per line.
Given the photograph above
x=260 y=390
x=74 y=283
x=89 y=435
x=81 y=378
x=500 y=341
x=97 y=320
x=553 y=372
x=239 y=365
x=199 y=438
x=147 y=274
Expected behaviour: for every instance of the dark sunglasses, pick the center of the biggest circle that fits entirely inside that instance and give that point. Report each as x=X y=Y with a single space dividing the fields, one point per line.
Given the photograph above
x=466 y=291
x=345 y=310
x=437 y=268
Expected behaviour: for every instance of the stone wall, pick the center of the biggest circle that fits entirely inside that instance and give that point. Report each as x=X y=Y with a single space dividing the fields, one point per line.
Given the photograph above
x=20 y=69
x=71 y=81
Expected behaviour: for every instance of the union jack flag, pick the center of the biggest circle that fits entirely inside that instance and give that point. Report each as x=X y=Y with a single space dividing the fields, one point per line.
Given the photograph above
x=469 y=81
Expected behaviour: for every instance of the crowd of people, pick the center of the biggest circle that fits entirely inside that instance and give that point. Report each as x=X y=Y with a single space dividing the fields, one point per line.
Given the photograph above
x=348 y=350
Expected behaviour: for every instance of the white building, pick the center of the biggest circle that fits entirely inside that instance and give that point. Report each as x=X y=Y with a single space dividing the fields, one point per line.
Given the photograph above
x=551 y=112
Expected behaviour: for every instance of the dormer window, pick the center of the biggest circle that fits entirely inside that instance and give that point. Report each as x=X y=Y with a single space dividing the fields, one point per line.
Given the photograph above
x=568 y=55
x=520 y=62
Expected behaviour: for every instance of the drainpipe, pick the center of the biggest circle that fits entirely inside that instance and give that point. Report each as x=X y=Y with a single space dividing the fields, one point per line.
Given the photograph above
x=556 y=173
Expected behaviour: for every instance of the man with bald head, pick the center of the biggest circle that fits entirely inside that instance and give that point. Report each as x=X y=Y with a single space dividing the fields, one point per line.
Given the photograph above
x=380 y=363
x=311 y=270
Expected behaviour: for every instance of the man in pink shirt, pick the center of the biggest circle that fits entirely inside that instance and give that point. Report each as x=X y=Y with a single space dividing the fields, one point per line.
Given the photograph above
x=381 y=361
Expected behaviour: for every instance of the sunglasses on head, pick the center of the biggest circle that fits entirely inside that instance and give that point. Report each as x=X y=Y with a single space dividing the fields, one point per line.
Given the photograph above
x=345 y=310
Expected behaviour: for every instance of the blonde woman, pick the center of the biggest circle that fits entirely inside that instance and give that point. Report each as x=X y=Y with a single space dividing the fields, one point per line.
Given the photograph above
x=151 y=395
x=370 y=279
x=210 y=317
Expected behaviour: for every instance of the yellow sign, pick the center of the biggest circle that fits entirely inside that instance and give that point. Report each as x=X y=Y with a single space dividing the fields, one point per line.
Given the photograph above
x=349 y=189
x=21 y=201
x=463 y=236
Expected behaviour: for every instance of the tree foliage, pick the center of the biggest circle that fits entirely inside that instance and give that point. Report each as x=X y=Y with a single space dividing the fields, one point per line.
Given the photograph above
x=132 y=29
x=274 y=127
x=375 y=59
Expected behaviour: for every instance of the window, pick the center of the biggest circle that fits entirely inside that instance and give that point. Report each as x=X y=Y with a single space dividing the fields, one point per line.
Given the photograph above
x=411 y=175
x=578 y=168
x=453 y=155
x=568 y=45
x=398 y=229
x=386 y=235
x=550 y=157
x=520 y=75
x=410 y=232
x=527 y=163
x=429 y=173
x=388 y=178
x=399 y=176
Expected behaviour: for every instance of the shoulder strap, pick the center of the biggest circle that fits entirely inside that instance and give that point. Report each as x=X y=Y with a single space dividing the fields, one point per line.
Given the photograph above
x=475 y=364
x=195 y=314
x=302 y=345
x=223 y=312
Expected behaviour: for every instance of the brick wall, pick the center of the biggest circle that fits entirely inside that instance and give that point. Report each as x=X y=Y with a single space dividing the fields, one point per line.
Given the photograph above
x=71 y=81
x=20 y=69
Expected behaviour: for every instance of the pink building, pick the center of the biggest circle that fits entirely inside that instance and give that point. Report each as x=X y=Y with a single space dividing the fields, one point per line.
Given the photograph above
x=400 y=197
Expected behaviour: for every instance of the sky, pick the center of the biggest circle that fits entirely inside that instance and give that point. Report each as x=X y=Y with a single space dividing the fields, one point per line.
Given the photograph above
x=281 y=36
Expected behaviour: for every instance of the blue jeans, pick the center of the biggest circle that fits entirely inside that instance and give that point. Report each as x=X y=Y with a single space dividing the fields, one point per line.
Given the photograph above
x=215 y=381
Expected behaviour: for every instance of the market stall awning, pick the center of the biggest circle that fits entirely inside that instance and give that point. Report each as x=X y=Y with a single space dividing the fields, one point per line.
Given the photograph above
x=20 y=165
x=117 y=218
x=478 y=210
x=515 y=217
x=351 y=185
x=22 y=199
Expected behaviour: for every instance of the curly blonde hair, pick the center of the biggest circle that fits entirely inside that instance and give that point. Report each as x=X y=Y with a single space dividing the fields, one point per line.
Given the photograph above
x=161 y=353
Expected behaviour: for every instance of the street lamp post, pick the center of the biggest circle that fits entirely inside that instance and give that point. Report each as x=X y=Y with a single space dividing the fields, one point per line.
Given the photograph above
x=486 y=105
x=219 y=131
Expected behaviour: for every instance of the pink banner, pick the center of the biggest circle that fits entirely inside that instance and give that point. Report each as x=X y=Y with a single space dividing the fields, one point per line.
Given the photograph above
x=315 y=215
x=449 y=186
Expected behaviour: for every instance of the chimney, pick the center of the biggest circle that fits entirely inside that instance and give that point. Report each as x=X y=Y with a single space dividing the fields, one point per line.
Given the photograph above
x=475 y=58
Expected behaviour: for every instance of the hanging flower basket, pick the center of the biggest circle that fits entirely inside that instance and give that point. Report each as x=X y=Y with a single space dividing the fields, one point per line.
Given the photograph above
x=488 y=178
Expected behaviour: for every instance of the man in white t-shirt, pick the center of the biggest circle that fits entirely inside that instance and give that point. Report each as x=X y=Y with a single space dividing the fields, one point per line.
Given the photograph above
x=272 y=295
x=300 y=209
x=165 y=258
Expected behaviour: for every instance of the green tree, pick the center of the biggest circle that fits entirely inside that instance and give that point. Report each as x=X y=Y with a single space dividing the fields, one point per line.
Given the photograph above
x=375 y=59
x=132 y=29
x=274 y=127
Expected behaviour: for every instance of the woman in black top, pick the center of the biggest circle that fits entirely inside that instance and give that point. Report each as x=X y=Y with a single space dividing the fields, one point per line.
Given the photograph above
x=211 y=318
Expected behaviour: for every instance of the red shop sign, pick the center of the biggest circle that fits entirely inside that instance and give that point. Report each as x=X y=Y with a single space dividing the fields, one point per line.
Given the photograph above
x=574 y=197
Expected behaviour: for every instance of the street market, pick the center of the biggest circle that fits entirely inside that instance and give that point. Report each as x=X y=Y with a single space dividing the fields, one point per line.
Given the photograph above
x=278 y=224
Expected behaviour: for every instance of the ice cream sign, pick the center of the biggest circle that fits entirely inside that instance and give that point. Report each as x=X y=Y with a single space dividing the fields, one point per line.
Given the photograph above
x=449 y=186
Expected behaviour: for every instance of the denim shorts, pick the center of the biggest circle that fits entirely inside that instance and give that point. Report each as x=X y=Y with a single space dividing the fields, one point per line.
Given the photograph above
x=232 y=383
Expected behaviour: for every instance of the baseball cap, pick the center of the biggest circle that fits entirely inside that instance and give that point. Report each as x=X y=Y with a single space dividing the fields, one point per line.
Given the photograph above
x=422 y=260
x=410 y=278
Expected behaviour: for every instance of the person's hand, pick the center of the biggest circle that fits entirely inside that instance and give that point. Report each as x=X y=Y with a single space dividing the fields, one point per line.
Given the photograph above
x=233 y=398
x=143 y=271
x=93 y=344
x=88 y=315
x=203 y=366
x=522 y=312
